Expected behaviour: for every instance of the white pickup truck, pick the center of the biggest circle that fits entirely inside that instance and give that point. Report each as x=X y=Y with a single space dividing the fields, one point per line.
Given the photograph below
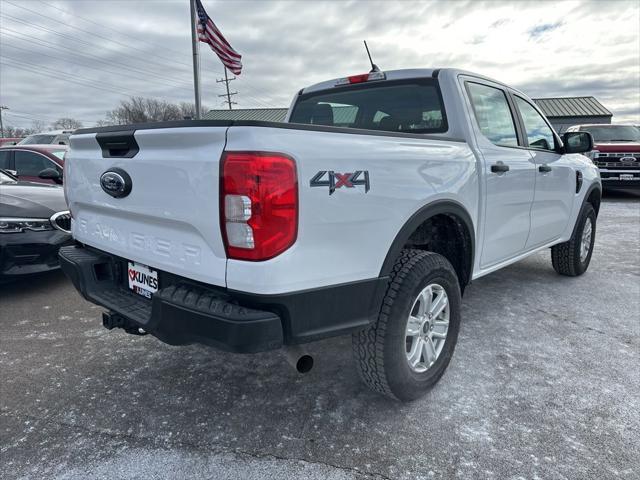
x=367 y=213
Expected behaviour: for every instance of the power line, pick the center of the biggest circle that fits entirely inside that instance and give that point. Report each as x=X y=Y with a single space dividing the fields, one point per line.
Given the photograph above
x=57 y=75
x=89 y=81
x=75 y=15
x=87 y=55
x=82 y=64
x=43 y=118
x=94 y=34
x=74 y=39
x=145 y=71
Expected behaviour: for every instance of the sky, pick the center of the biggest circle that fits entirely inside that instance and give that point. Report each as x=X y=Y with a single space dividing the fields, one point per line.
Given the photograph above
x=80 y=58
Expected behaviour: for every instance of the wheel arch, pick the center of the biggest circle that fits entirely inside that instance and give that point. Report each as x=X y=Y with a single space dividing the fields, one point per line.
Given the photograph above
x=454 y=216
x=594 y=197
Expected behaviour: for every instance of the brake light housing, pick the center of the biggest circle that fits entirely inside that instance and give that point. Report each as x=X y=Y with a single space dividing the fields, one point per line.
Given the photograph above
x=361 y=78
x=258 y=204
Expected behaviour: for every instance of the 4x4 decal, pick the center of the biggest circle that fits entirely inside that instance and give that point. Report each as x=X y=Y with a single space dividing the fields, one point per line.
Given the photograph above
x=336 y=180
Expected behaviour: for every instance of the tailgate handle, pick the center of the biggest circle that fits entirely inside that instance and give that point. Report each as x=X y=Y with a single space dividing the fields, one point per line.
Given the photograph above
x=118 y=144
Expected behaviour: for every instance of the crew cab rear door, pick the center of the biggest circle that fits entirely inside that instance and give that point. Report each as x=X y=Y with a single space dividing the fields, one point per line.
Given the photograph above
x=508 y=171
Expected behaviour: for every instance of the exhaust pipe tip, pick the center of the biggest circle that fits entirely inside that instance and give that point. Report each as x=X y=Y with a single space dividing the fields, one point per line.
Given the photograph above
x=298 y=358
x=304 y=364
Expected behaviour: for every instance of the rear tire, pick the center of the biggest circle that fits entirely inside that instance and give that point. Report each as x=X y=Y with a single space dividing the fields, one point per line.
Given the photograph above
x=572 y=258
x=401 y=355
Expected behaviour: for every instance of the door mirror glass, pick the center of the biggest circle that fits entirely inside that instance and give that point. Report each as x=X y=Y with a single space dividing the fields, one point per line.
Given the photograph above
x=577 y=142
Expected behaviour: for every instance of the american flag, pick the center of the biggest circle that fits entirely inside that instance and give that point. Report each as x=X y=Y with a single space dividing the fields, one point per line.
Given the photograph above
x=209 y=33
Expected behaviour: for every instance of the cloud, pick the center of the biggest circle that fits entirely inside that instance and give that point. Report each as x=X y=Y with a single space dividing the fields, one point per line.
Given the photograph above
x=52 y=68
x=540 y=30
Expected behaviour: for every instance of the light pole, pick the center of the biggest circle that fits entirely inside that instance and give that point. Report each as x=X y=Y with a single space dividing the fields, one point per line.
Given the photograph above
x=2 y=107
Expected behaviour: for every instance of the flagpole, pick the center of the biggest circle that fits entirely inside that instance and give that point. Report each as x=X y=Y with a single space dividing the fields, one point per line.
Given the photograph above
x=196 y=62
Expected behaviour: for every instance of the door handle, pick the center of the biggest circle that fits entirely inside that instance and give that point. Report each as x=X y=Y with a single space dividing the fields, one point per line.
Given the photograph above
x=499 y=168
x=544 y=168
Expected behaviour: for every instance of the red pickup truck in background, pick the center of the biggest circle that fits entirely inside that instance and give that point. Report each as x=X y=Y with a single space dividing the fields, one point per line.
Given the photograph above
x=616 y=152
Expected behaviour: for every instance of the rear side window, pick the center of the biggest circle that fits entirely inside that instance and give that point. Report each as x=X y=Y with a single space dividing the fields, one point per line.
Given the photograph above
x=4 y=159
x=493 y=114
x=409 y=106
x=30 y=163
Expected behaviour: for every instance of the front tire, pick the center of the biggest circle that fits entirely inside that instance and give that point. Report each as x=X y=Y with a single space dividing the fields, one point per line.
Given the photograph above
x=406 y=351
x=572 y=258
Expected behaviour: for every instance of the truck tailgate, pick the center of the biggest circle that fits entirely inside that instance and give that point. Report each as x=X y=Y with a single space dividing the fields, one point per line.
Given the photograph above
x=170 y=219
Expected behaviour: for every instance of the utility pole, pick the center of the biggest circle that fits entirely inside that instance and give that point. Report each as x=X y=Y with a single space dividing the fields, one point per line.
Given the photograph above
x=226 y=81
x=2 y=107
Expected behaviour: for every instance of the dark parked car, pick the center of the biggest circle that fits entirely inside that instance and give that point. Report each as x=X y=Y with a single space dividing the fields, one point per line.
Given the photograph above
x=34 y=224
x=34 y=163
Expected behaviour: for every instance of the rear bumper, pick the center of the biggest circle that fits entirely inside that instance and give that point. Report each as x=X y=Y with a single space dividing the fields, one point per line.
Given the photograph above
x=185 y=312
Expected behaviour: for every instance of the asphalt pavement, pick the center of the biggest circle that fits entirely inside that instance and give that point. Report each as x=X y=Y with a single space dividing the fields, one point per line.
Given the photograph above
x=545 y=383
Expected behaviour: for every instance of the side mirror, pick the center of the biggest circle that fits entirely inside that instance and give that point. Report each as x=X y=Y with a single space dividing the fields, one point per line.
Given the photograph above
x=50 y=174
x=577 y=142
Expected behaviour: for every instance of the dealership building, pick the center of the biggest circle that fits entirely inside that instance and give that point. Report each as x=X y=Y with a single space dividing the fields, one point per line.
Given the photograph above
x=562 y=112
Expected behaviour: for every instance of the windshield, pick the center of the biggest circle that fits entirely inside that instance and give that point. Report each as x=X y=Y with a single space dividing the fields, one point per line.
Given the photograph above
x=59 y=153
x=40 y=139
x=4 y=178
x=409 y=106
x=616 y=133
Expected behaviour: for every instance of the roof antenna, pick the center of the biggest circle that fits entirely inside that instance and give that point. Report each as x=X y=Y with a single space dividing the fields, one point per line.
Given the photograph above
x=374 y=67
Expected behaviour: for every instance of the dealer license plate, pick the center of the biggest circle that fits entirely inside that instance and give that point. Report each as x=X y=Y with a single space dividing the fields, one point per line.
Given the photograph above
x=626 y=176
x=142 y=279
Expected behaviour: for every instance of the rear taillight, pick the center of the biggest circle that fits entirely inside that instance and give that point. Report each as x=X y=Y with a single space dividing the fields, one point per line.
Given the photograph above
x=258 y=204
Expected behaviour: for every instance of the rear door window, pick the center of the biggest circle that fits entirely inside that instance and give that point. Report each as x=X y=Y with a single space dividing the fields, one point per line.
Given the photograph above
x=493 y=114
x=31 y=164
x=408 y=106
x=5 y=157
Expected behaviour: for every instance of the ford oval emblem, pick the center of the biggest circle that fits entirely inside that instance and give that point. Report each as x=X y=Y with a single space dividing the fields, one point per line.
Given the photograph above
x=116 y=182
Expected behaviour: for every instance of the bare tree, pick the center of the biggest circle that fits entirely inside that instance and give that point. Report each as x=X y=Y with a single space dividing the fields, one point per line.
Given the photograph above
x=141 y=110
x=10 y=131
x=66 y=123
x=188 y=110
x=38 y=125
